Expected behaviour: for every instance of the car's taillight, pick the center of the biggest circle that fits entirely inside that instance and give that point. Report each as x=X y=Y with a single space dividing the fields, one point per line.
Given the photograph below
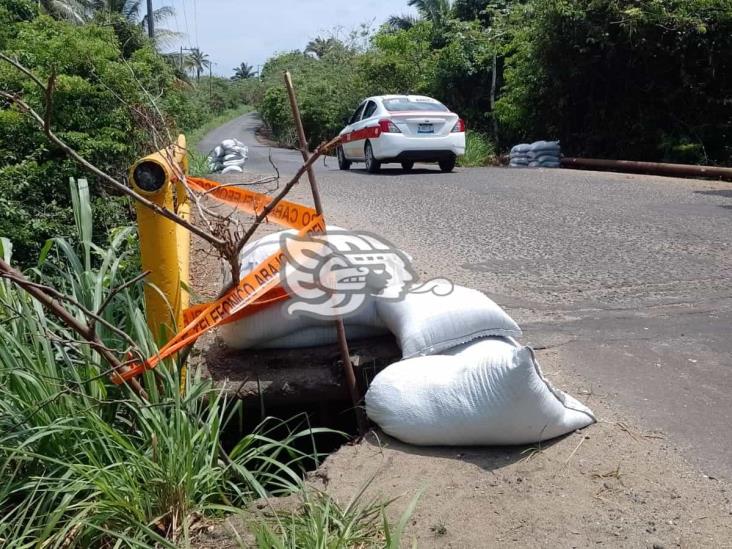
x=459 y=126
x=387 y=126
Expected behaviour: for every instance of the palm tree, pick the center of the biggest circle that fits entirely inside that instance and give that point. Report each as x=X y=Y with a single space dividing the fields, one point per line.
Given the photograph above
x=320 y=47
x=435 y=11
x=81 y=11
x=197 y=61
x=243 y=71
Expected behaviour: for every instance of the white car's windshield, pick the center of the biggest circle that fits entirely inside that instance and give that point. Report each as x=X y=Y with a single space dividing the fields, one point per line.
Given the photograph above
x=406 y=104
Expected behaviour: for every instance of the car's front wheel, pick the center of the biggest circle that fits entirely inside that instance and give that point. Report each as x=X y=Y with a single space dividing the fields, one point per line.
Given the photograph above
x=343 y=162
x=407 y=165
x=372 y=165
x=448 y=164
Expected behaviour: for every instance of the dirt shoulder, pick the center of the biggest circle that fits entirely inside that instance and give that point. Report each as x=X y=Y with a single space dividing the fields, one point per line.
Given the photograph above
x=609 y=484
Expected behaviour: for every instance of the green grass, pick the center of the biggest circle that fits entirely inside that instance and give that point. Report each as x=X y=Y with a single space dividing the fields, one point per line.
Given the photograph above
x=84 y=463
x=321 y=523
x=193 y=137
x=197 y=164
x=479 y=151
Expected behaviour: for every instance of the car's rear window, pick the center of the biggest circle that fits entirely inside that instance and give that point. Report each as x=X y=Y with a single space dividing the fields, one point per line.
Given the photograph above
x=406 y=104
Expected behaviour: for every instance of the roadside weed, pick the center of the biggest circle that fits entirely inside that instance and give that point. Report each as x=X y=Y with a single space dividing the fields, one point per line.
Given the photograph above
x=479 y=151
x=321 y=523
x=86 y=464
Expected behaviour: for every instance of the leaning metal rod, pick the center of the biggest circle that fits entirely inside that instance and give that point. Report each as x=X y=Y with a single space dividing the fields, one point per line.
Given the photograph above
x=340 y=328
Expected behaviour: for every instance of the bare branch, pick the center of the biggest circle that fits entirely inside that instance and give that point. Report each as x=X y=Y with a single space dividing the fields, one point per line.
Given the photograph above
x=49 y=101
x=322 y=149
x=60 y=312
x=24 y=70
x=213 y=240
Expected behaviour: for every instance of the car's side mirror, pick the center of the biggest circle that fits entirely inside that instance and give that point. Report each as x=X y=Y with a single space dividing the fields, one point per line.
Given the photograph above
x=346 y=120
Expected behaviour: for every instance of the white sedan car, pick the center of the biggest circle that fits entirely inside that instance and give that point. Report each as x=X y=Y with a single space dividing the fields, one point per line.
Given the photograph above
x=401 y=129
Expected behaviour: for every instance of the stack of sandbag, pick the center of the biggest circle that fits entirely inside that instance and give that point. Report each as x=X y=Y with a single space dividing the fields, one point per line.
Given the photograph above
x=463 y=379
x=540 y=154
x=228 y=157
x=519 y=156
x=544 y=154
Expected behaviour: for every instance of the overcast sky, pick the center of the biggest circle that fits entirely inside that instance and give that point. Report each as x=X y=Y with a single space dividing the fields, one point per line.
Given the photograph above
x=232 y=31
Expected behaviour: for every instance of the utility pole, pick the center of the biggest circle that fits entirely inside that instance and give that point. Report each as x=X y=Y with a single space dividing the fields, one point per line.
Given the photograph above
x=150 y=23
x=182 y=49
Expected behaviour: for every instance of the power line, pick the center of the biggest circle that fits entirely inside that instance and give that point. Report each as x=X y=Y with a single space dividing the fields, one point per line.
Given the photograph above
x=195 y=21
x=185 y=18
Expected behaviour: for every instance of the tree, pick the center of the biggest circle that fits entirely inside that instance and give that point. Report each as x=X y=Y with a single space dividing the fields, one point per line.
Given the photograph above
x=243 y=72
x=197 y=61
x=129 y=11
x=320 y=47
x=435 y=11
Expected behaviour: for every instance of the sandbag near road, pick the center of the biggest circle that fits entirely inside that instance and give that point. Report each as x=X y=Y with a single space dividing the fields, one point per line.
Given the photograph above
x=428 y=323
x=275 y=328
x=539 y=154
x=228 y=157
x=487 y=392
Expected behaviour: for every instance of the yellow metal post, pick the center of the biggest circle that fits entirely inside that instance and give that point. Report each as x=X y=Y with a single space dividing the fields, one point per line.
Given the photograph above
x=164 y=245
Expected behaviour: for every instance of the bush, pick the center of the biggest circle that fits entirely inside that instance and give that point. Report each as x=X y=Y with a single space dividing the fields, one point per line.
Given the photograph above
x=621 y=79
x=96 y=109
x=479 y=151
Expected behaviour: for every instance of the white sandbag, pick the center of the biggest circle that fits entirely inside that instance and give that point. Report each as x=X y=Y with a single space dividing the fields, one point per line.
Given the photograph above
x=521 y=148
x=232 y=169
x=547 y=158
x=255 y=252
x=544 y=146
x=228 y=143
x=218 y=151
x=232 y=156
x=273 y=328
x=489 y=392
x=234 y=162
x=427 y=323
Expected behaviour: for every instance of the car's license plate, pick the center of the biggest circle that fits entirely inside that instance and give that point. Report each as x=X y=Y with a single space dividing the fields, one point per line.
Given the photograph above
x=425 y=128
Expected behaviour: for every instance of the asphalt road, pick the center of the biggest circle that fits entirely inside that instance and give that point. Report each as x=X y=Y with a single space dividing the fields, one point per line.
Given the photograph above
x=629 y=277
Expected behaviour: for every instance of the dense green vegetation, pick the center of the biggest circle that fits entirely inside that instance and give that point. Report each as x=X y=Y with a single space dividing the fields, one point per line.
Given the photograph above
x=107 y=74
x=84 y=463
x=610 y=78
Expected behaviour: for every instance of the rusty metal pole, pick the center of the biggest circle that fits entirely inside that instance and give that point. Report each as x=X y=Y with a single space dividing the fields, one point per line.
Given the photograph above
x=342 y=341
x=651 y=168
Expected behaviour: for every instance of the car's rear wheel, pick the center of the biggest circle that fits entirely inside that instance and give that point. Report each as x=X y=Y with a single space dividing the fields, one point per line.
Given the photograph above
x=343 y=162
x=407 y=165
x=372 y=165
x=448 y=164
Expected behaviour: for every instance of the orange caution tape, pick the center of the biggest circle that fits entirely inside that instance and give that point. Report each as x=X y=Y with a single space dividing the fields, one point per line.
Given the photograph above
x=256 y=290
x=287 y=214
x=275 y=295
